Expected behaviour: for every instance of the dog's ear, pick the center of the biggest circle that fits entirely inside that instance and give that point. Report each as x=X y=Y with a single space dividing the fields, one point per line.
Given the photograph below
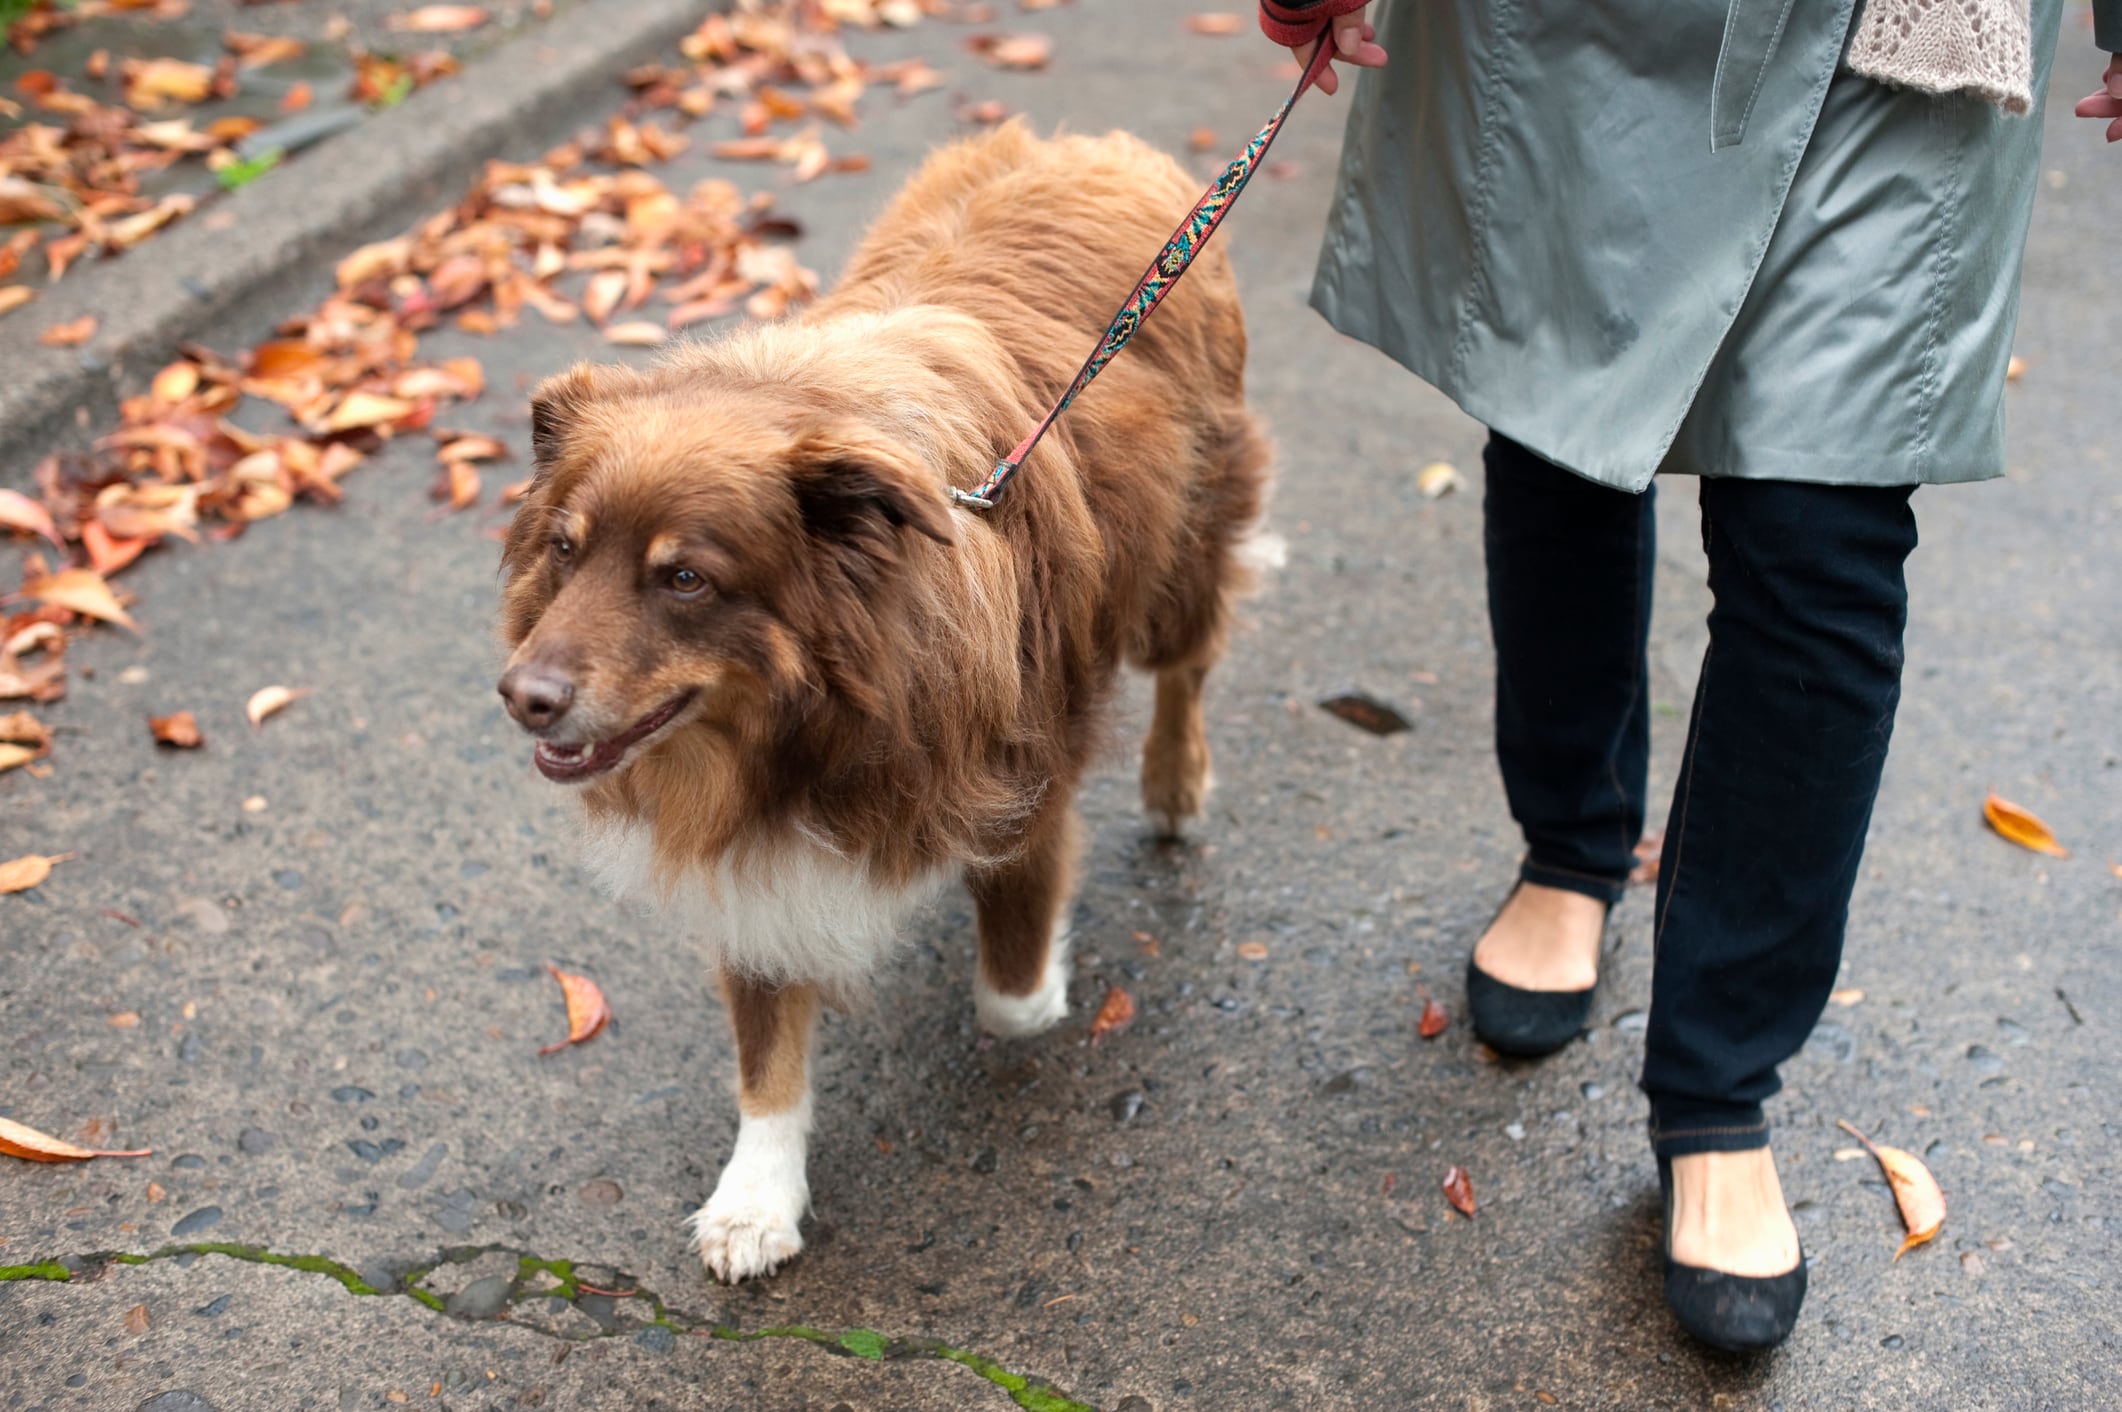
x=855 y=488
x=556 y=405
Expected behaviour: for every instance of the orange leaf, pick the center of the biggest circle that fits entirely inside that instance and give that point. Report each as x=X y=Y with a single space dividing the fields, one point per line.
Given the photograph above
x=367 y=409
x=18 y=1141
x=1459 y=1191
x=70 y=334
x=13 y=755
x=1013 y=51
x=296 y=98
x=266 y=700
x=638 y=334
x=2021 y=826
x=107 y=553
x=1915 y=1191
x=439 y=19
x=19 y=512
x=26 y=872
x=136 y=1319
x=176 y=382
x=1434 y=1018
x=1116 y=1014
x=587 y=1012
x=1216 y=22
x=14 y=296
x=22 y=728
x=179 y=730
x=82 y=591
x=1649 y=849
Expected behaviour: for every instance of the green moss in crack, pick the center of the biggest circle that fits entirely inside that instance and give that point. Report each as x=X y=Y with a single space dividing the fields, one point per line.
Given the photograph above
x=561 y=1270
x=43 y=1270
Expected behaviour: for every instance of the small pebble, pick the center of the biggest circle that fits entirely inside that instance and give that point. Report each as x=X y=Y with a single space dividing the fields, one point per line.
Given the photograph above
x=198 y=1220
x=254 y=1141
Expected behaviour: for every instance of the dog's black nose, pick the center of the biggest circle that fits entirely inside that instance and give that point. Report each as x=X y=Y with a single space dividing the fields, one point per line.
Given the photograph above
x=537 y=696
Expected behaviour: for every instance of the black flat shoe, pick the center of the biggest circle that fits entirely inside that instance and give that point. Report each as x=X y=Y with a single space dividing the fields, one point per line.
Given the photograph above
x=1737 y=1313
x=1525 y=1023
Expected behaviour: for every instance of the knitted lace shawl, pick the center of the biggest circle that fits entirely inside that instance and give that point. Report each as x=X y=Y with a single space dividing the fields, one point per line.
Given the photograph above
x=1983 y=47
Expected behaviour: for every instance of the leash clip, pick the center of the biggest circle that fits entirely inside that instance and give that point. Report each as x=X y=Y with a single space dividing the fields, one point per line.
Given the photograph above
x=969 y=500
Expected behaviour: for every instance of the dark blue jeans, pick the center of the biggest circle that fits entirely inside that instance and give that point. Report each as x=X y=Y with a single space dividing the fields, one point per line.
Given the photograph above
x=1785 y=746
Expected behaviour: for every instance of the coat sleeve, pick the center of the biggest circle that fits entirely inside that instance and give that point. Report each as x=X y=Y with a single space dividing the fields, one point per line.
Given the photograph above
x=2107 y=25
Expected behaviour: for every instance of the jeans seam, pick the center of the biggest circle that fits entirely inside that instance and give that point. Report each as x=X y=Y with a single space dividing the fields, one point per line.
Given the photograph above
x=1635 y=690
x=1687 y=791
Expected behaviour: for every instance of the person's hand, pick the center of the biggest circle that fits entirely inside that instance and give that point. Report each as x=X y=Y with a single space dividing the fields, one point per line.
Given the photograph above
x=1354 y=42
x=2105 y=103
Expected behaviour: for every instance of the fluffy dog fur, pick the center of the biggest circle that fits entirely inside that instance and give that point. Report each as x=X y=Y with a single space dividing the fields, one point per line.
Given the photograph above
x=802 y=691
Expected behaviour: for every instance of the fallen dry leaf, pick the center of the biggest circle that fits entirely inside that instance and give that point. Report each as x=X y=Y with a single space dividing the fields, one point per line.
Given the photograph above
x=1013 y=51
x=19 y=512
x=21 y=728
x=587 y=1012
x=1459 y=1191
x=179 y=730
x=1437 y=479
x=1846 y=998
x=268 y=699
x=638 y=334
x=367 y=409
x=13 y=755
x=1649 y=849
x=149 y=83
x=81 y=591
x=136 y=1320
x=1216 y=22
x=1366 y=712
x=19 y=1141
x=1435 y=1019
x=1253 y=950
x=439 y=19
x=1915 y=1190
x=1116 y=1014
x=70 y=334
x=2021 y=826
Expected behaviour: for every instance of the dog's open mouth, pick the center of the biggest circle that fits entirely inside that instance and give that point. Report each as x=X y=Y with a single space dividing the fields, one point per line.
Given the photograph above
x=570 y=761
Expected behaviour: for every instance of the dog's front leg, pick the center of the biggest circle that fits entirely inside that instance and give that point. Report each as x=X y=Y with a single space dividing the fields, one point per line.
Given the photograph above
x=749 y=1225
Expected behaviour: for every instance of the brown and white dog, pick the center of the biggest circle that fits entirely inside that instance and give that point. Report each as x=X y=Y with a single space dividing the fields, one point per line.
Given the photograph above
x=802 y=691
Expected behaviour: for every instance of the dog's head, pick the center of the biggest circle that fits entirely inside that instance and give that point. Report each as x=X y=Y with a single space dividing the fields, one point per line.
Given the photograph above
x=694 y=551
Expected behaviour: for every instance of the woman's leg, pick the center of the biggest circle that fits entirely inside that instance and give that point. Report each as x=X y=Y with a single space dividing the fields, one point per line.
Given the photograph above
x=1569 y=581
x=1784 y=753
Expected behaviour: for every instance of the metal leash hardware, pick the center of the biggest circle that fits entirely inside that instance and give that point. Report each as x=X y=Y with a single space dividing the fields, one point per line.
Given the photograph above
x=1164 y=273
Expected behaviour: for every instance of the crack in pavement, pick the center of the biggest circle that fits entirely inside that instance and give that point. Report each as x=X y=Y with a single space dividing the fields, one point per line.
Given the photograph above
x=538 y=1284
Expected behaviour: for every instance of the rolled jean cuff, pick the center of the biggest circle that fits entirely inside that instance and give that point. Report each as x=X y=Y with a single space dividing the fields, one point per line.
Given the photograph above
x=1684 y=1129
x=1607 y=890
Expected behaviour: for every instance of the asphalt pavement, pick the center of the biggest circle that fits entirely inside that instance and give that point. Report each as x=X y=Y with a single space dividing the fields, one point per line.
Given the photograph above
x=368 y=1189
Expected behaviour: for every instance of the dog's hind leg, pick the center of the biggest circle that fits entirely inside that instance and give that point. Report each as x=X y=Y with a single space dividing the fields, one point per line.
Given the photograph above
x=1020 y=986
x=750 y=1225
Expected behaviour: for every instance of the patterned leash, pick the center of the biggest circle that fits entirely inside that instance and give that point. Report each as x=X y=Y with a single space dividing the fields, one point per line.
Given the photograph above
x=1188 y=241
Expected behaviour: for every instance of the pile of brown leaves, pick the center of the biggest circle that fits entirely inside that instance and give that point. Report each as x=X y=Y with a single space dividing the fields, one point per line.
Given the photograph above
x=586 y=232
x=72 y=175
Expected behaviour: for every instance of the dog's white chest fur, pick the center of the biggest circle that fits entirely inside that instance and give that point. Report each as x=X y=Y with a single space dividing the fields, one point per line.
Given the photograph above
x=798 y=912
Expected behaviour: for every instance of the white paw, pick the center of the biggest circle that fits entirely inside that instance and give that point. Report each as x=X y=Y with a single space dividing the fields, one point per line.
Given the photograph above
x=749 y=1225
x=742 y=1238
x=1020 y=1016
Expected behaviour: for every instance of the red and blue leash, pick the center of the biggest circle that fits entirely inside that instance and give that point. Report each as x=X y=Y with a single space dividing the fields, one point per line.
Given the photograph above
x=1164 y=274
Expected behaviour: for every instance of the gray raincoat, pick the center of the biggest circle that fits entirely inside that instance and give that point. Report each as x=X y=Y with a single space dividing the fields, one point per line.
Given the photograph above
x=1645 y=235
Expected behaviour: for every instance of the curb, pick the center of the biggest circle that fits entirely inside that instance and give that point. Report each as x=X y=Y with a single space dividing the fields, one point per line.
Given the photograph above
x=362 y=185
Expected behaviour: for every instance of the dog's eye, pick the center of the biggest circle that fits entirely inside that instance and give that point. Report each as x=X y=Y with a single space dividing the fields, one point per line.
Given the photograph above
x=687 y=584
x=563 y=548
